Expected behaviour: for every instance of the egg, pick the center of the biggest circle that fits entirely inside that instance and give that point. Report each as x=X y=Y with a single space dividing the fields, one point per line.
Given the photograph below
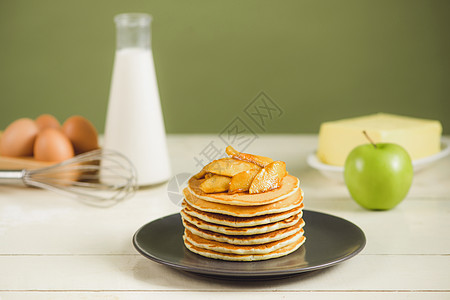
x=81 y=133
x=52 y=145
x=46 y=121
x=18 y=138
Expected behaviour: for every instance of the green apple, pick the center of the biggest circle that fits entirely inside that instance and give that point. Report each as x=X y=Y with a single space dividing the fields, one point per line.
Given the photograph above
x=378 y=176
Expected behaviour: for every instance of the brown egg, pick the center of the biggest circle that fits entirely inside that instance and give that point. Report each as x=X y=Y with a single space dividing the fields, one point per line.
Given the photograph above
x=52 y=145
x=46 y=121
x=18 y=138
x=81 y=133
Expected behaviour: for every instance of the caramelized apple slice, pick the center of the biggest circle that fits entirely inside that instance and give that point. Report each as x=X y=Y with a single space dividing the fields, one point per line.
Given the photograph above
x=228 y=166
x=200 y=174
x=268 y=178
x=215 y=184
x=241 y=182
x=256 y=159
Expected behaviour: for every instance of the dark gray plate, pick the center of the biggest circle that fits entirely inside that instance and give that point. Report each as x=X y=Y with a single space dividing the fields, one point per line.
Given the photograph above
x=329 y=241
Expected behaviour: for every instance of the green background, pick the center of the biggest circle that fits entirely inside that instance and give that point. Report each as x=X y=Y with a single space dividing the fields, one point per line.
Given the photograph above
x=317 y=60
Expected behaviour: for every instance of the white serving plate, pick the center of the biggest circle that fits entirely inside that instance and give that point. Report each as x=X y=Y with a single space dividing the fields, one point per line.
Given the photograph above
x=337 y=173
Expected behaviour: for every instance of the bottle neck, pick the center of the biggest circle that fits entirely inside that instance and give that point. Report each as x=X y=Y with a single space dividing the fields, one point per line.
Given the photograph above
x=133 y=31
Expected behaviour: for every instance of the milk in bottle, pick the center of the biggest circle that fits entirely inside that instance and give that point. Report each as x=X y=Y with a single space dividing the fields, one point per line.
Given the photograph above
x=134 y=121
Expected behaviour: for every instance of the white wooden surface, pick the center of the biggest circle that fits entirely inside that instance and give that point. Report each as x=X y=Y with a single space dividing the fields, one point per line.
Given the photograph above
x=52 y=247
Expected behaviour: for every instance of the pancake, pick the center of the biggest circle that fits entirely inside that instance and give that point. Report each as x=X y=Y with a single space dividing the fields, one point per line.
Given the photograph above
x=228 y=230
x=283 y=205
x=246 y=257
x=245 y=239
x=239 y=221
x=243 y=226
x=241 y=249
x=289 y=185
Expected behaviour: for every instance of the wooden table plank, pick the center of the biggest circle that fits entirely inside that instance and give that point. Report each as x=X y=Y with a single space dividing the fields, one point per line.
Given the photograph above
x=134 y=272
x=51 y=225
x=224 y=295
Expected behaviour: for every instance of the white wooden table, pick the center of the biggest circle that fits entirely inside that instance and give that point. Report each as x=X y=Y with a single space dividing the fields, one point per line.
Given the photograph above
x=54 y=247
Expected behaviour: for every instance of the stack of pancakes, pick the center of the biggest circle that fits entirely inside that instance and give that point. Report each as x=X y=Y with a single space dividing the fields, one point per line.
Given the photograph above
x=243 y=226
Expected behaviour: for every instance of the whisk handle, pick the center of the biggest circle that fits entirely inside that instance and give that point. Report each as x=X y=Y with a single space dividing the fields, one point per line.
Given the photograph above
x=12 y=176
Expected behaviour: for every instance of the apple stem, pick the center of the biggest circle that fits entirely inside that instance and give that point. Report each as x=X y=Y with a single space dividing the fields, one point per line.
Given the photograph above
x=370 y=140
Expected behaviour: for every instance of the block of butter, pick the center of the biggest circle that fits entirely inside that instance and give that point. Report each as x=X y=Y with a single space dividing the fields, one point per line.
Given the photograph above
x=420 y=137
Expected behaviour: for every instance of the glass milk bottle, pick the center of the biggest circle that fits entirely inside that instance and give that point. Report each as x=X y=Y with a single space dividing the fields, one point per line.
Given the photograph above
x=134 y=121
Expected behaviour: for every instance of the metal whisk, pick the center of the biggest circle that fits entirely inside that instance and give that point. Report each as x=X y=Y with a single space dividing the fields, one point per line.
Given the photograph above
x=100 y=177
